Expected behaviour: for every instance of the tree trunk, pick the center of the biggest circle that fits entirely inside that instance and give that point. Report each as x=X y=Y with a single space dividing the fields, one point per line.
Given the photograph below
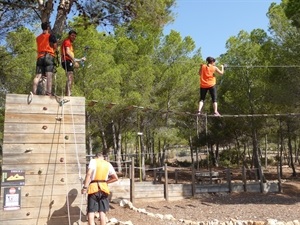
x=114 y=139
x=119 y=155
x=256 y=158
x=63 y=10
x=238 y=149
x=103 y=138
x=294 y=174
x=281 y=149
x=143 y=157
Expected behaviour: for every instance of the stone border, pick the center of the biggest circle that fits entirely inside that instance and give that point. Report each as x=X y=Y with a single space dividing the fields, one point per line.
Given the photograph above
x=127 y=204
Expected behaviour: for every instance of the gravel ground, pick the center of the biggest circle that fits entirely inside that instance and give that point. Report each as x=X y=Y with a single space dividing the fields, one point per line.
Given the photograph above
x=220 y=207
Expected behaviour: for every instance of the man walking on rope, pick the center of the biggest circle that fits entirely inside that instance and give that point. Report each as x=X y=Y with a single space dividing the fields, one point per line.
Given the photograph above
x=208 y=83
x=46 y=48
x=69 y=62
x=99 y=174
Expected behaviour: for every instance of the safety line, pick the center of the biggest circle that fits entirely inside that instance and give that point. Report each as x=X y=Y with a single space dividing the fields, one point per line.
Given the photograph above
x=77 y=158
x=47 y=172
x=65 y=161
x=252 y=115
x=146 y=110
x=260 y=66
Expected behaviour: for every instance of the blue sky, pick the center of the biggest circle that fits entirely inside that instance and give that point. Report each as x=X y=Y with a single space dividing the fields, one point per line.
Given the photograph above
x=210 y=23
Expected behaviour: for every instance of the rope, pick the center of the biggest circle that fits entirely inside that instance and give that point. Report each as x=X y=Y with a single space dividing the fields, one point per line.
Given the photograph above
x=255 y=115
x=47 y=172
x=194 y=114
x=78 y=161
x=262 y=66
x=65 y=165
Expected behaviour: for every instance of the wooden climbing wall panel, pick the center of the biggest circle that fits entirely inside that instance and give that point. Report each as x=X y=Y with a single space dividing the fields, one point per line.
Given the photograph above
x=44 y=139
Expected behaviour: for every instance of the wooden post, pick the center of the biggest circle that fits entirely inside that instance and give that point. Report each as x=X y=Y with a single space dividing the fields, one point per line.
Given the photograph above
x=132 y=197
x=228 y=176
x=193 y=181
x=154 y=176
x=244 y=178
x=176 y=176
x=166 y=183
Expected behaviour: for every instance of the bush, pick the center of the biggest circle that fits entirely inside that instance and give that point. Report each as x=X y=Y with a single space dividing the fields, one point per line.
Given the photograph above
x=182 y=154
x=229 y=157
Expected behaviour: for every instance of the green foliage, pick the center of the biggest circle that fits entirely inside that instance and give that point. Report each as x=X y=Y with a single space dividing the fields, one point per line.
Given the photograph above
x=292 y=11
x=144 y=81
x=229 y=157
x=18 y=66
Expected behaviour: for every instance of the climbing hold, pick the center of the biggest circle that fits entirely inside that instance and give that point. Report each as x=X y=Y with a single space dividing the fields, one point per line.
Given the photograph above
x=27 y=194
x=44 y=108
x=44 y=127
x=58 y=118
x=28 y=150
x=40 y=171
x=67 y=137
x=61 y=160
x=28 y=214
x=62 y=180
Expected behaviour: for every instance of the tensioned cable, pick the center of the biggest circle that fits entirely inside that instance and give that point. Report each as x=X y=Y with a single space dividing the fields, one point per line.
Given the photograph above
x=146 y=110
x=77 y=158
x=65 y=162
x=260 y=66
x=253 y=115
x=47 y=172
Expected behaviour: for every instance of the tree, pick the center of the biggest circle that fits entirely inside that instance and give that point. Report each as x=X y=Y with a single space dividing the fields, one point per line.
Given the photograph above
x=292 y=11
x=104 y=13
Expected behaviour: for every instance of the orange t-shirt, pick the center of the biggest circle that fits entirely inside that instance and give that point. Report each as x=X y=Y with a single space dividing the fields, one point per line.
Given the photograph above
x=66 y=43
x=207 y=78
x=43 y=45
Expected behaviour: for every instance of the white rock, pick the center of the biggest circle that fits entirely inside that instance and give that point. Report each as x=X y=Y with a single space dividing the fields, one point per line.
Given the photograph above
x=140 y=210
x=271 y=222
x=113 y=220
x=126 y=223
x=296 y=222
x=150 y=214
x=168 y=217
x=126 y=204
x=160 y=216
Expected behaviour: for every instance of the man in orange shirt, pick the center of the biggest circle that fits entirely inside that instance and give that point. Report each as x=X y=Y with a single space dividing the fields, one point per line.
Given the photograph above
x=99 y=174
x=46 y=46
x=69 y=62
x=208 y=83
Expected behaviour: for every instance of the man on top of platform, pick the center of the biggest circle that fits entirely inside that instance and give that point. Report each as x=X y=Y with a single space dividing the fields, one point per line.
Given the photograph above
x=100 y=173
x=208 y=83
x=46 y=47
x=69 y=62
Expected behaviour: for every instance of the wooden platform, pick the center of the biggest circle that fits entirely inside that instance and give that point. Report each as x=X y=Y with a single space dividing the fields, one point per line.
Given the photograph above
x=44 y=140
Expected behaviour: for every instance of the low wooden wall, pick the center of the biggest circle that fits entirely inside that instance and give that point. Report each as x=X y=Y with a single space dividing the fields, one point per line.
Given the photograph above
x=148 y=191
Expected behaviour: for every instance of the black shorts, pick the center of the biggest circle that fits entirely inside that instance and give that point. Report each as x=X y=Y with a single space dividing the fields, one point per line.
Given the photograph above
x=45 y=64
x=68 y=65
x=213 y=93
x=98 y=202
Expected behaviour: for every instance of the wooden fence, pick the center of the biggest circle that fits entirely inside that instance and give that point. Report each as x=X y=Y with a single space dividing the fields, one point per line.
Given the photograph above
x=160 y=188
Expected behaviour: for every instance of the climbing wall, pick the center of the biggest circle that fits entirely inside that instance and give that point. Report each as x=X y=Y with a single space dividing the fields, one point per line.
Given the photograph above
x=43 y=161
